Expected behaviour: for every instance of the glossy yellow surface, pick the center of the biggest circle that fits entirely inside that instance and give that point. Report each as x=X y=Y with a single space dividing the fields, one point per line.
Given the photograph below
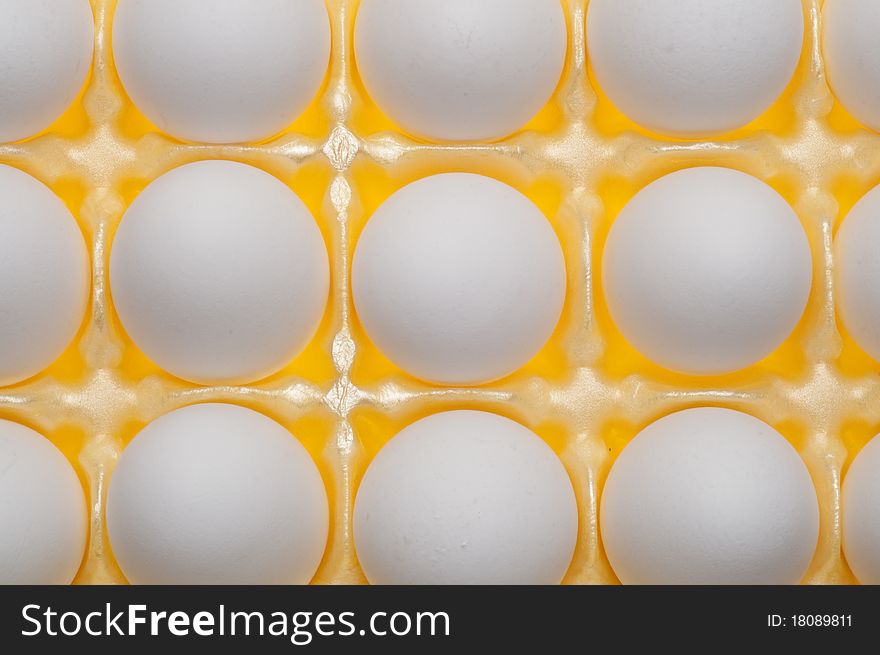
x=587 y=393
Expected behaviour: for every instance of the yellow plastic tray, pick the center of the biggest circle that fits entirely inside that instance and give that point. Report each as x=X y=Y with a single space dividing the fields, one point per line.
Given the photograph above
x=587 y=393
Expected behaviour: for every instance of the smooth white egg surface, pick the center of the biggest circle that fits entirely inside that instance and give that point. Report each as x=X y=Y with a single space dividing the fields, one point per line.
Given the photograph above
x=465 y=497
x=460 y=69
x=45 y=57
x=852 y=56
x=217 y=494
x=861 y=514
x=221 y=71
x=219 y=273
x=709 y=496
x=43 y=516
x=857 y=245
x=706 y=270
x=459 y=279
x=44 y=276
x=694 y=67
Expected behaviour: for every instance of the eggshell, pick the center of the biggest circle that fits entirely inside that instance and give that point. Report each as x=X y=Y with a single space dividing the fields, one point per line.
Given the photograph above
x=465 y=497
x=44 y=276
x=219 y=273
x=46 y=53
x=692 y=67
x=706 y=270
x=858 y=272
x=458 y=69
x=458 y=278
x=217 y=494
x=852 y=56
x=221 y=71
x=709 y=496
x=42 y=510
x=861 y=514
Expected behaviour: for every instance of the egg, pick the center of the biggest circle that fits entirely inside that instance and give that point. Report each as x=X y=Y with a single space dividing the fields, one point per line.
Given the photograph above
x=458 y=279
x=861 y=514
x=44 y=276
x=46 y=50
x=709 y=496
x=691 y=67
x=217 y=494
x=852 y=56
x=706 y=271
x=465 y=497
x=42 y=510
x=221 y=71
x=858 y=272
x=219 y=273
x=460 y=70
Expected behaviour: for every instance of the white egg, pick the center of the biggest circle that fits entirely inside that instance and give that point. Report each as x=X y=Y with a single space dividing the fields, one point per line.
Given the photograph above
x=460 y=69
x=709 y=496
x=706 y=270
x=852 y=56
x=465 y=497
x=42 y=510
x=44 y=276
x=861 y=514
x=219 y=273
x=217 y=494
x=459 y=279
x=221 y=71
x=46 y=53
x=858 y=272
x=694 y=67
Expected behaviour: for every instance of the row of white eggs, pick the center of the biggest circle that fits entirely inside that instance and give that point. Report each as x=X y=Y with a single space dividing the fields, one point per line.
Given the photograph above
x=220 y=494
x=220 y=274
x=234 y=70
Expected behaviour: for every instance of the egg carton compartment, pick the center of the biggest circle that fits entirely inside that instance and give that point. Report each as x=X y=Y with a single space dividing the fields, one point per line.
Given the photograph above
x=587 y=393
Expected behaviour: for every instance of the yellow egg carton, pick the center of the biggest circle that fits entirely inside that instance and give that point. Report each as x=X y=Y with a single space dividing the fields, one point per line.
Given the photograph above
x=587 y=393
